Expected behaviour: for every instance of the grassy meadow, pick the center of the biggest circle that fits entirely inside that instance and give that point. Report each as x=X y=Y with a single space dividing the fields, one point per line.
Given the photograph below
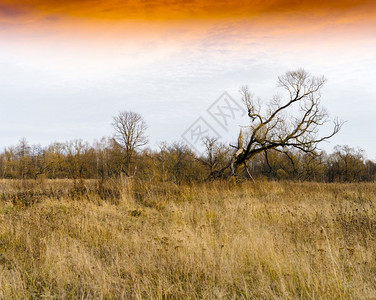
x=219 y=240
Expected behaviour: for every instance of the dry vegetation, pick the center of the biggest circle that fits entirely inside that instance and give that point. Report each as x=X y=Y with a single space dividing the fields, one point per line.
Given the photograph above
x=218 y=240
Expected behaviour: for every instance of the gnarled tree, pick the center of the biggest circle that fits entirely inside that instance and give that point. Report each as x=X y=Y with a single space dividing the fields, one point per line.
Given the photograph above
x=285 y=124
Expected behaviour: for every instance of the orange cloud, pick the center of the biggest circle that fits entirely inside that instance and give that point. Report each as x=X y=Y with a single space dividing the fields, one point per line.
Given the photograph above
x=184 y=20
x=188 y=9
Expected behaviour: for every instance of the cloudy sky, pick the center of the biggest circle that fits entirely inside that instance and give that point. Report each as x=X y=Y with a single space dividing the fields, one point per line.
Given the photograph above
x=66 y=68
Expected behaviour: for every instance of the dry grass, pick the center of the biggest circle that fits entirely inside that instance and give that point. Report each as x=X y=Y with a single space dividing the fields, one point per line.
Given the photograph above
x=212 y=241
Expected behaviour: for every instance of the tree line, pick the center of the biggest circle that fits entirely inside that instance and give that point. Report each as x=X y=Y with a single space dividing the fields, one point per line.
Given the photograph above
x=177 y=163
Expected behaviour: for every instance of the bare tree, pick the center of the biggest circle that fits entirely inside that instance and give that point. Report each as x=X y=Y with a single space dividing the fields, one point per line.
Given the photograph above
x=23 y=152
x=347 y=164
x=281 y=125
x=215 y=157
x=76 y=162
x=130 y=129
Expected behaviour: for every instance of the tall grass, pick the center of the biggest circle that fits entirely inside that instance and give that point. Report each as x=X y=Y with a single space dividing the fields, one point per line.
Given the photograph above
x=220 y=240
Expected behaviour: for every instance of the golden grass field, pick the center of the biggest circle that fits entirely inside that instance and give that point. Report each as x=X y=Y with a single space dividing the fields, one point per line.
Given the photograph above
x=219 y=240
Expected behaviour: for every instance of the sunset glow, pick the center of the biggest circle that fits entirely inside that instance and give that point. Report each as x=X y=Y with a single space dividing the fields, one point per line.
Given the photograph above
x=347 y=10
x=282 y=15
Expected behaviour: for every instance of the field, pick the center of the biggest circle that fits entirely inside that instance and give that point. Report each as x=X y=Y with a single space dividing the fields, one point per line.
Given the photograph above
x=219 y=240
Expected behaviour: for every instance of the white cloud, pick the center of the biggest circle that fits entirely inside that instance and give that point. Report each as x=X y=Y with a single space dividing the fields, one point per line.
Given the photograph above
x=62 y=90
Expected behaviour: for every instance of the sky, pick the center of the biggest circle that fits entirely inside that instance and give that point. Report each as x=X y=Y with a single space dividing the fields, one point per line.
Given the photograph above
x=68 y=67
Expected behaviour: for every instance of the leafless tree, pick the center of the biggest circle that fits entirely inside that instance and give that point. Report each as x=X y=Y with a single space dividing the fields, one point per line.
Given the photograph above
x=281 y=125
x=211 y=148
x=215 y=157
x=347 y=164
x=23 y=152
x=75 y=158
x=130 y=129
